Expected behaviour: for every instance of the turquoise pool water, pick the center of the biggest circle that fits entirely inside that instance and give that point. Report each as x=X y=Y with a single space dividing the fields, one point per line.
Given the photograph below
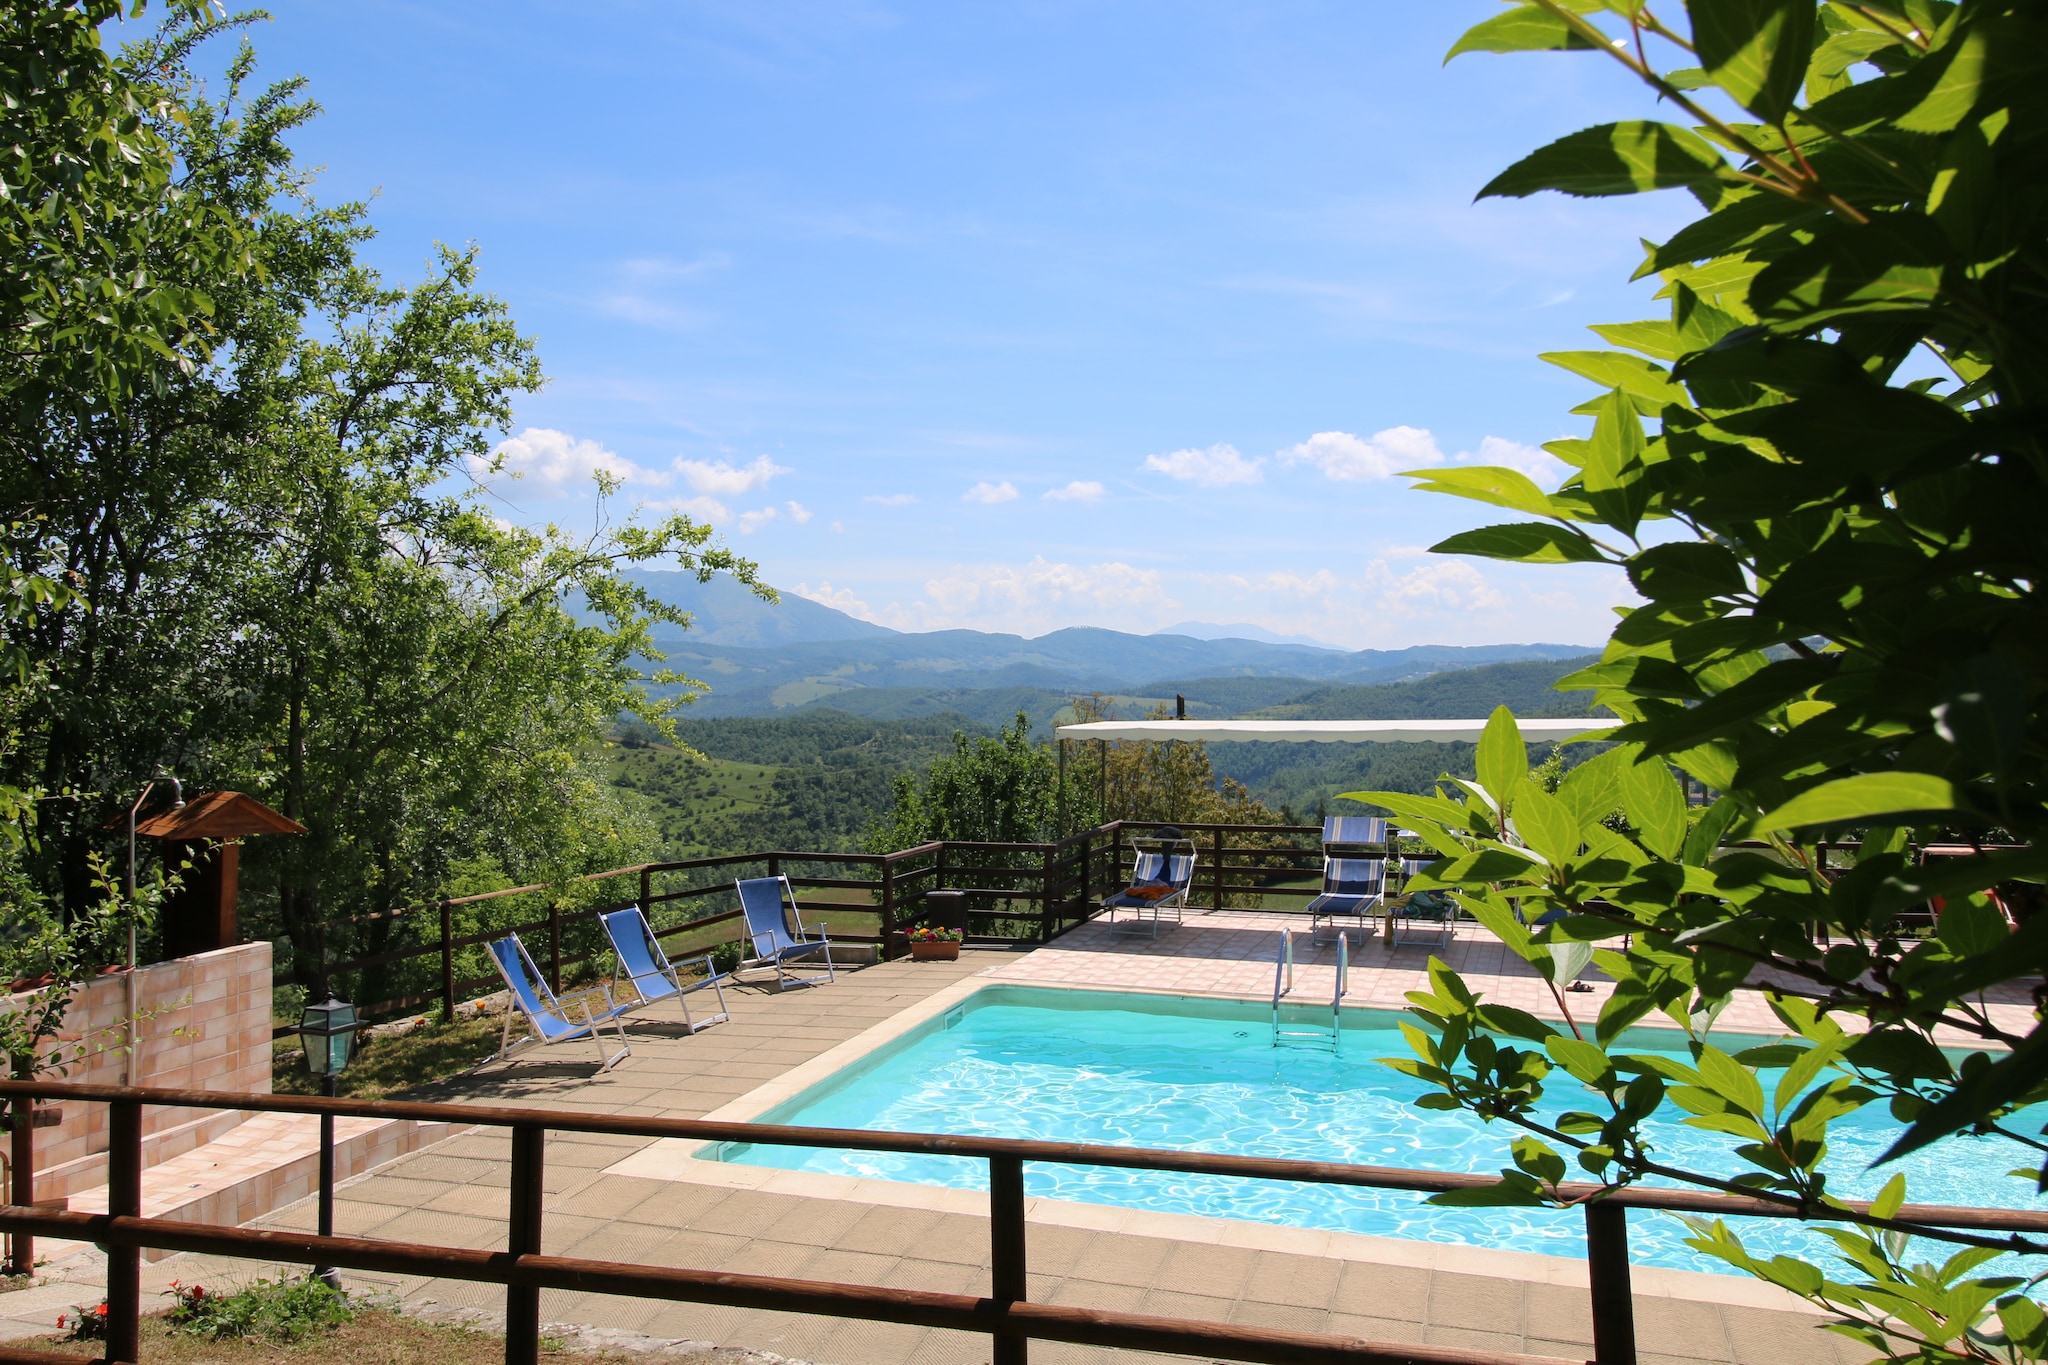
x=1144 y=1071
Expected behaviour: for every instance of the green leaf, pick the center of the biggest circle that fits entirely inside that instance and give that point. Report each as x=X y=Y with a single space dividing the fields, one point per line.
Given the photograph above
x=1631 y=157
x=1894 y=262
x=1582 y=1059
x=1654 y=336
x=1955 y=91
x=1656 y=806
x=1502 y=760
x=1867 y=796
x=1593 y=789
x=1619 y=370
x=1486 y=483
x=1525 y=28
x=1613 y=476
x=1730 y=1079
x=1546 y=824
x=1686 y=571
x=1526 y=542
x=1756 y=50
x=2001 y=1083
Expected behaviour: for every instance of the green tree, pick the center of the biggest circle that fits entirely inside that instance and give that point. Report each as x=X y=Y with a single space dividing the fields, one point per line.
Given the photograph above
x=283 y=574
x=1842 y=633
x=996 y=789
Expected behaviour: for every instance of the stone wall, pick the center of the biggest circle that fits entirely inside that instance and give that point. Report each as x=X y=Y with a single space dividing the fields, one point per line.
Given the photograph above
x=204 y=1024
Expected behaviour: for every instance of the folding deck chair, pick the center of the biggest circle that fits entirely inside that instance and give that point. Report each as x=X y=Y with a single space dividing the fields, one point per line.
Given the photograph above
x=642 y=962
x=1160 y=880
x=1435 y=913
x=770 y=909
x=547 y=1022
x=1352 y=889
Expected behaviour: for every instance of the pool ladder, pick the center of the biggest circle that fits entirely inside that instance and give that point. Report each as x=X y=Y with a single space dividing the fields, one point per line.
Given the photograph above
x=1283 y=985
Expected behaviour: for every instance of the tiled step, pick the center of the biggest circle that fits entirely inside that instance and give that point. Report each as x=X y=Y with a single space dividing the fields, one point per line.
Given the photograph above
x=257 y=1167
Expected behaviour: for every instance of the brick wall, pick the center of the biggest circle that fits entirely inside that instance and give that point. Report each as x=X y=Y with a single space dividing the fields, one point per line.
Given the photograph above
x=204 y=1025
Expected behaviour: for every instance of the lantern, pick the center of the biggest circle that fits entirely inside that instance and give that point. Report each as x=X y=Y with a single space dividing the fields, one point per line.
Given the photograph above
x=329 y=1034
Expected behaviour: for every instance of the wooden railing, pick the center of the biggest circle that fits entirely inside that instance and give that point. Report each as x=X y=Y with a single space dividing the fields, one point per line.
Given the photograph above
x=1018 y=893
x=1006 y=1313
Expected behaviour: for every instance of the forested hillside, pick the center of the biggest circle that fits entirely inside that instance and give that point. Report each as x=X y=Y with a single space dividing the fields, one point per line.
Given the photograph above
x=1525 y=688
x=813 y=781
x=819 y=778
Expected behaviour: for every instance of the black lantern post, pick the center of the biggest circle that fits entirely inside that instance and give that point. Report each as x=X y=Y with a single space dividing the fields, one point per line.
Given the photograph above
x=328 y=1032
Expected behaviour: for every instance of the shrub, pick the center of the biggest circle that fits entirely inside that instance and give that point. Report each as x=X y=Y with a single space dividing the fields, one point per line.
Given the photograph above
x=283 y=1310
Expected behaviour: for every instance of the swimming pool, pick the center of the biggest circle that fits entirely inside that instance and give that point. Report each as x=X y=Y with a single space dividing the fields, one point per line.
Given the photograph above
x=1203 y=1076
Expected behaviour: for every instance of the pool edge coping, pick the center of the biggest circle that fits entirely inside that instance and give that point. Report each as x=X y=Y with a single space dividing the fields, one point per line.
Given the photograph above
x=676 y=1160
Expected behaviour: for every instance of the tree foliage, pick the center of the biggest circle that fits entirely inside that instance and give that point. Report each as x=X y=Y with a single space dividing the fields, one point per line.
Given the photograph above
x=253 y=466
x=1823 y=469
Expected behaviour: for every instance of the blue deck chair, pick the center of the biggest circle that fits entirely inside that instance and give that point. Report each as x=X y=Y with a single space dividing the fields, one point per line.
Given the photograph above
x=1159 y=883
x=1351 y=830
x=642 y=962
x=1424 y=912
x=546 y=1021
x=770 y=909
x=1352 y=889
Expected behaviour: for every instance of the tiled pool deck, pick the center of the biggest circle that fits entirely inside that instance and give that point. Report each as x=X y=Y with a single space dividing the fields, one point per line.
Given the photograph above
x=918 y=1237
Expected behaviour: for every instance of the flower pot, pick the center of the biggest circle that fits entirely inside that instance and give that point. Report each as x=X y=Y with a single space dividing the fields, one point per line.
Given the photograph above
x=934 y=952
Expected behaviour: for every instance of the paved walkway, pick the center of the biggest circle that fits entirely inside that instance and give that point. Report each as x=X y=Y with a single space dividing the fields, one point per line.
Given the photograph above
x=913 y=1237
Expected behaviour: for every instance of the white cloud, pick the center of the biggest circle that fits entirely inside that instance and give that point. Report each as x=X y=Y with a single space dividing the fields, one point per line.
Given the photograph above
x=1033 y=598
x=840 y=599
x=644 y=286
x=1449 y=585
x=1217 y=467
x=990 y=493
x=1080 y=490
x=798 y=513
x=718 y=477
x=891 y=499
x=1340 y=455
x=697 y=509
x=1542 y=466
x=839 y=527
x=557 y=459
x=753 y=521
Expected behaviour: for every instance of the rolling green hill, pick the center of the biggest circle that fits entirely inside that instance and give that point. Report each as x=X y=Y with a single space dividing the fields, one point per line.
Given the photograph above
x=811 y=781
x=1467 y=693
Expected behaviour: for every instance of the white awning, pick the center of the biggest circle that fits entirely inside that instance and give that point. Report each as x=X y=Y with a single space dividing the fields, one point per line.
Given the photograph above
x=1327 y=731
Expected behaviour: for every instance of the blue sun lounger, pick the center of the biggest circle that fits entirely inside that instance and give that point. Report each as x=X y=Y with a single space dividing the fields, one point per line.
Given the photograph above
x=1160 y=879
x=1352 y=889
x=642 y=962
x=770 y=909
x=547 y=1022
x=1424 y=912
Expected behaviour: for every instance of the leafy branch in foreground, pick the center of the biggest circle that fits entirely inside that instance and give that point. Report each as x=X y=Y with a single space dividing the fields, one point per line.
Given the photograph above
x=1823 y=472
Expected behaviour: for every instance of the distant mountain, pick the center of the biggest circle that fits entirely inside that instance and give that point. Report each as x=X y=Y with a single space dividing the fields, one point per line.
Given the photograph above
x=725 y=612
x=762 y=659
x=1209 y=630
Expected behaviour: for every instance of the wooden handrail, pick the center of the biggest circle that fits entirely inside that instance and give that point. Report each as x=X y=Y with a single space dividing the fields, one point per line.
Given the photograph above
x=1006 y=1314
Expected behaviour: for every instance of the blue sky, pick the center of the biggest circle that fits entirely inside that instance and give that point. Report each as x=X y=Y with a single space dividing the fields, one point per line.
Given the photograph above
x=1012 y=316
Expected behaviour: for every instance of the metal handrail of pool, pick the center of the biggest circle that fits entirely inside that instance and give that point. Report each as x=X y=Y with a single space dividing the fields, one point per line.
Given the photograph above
x=1006 y=1313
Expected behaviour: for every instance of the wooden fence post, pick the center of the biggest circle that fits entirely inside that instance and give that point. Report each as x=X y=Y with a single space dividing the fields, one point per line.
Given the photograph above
x=888 y=925
x=555 y=947
x=447 y=963
x=124 y=1200
x=522 y=1303
x=1048 y=860
x=1218 y=894
x=646 y=900
x=22 y=1161
x=1007 y=1260
x=1614 y=1311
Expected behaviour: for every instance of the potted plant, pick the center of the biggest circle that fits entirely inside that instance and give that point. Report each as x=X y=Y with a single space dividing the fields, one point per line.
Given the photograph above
x=940 y=945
